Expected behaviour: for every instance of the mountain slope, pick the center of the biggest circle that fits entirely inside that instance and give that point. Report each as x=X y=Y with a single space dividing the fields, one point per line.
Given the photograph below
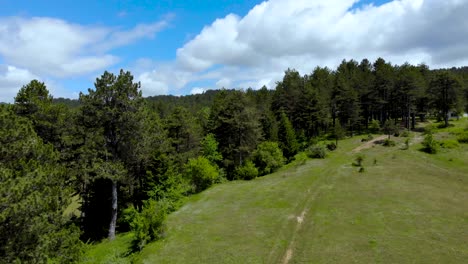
x=407 y=207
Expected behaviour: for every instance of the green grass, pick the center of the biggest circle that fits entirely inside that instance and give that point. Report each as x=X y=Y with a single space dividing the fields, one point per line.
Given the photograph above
x=110 y=252
x=407 y=207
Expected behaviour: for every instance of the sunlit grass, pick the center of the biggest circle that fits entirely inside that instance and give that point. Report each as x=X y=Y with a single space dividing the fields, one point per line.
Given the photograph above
x=407 y=207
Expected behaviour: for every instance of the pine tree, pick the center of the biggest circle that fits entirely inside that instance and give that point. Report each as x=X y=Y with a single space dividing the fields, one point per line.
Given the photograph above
x=287 y=137
x=110 y=113
x=33 y=197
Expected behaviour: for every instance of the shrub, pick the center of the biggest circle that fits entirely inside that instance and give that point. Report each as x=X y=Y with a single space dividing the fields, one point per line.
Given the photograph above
x=201 y=173
x=449 y=144
x=406 y=144
x=331 y=146
x=147 y=225
x=300 y=159
x=430 y=145
x=358 y=161
x=361 y=170
x=429 y=129
x=316 y=152
x=248 y=171
x=390 y=128
x=268 y=157
x=389 y=143
x=374 y=126
x=463 y=138
x=405 y=133
x=368 y=138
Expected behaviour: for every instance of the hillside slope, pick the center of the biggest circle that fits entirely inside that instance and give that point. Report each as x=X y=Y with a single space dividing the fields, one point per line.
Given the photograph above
x=407 y=207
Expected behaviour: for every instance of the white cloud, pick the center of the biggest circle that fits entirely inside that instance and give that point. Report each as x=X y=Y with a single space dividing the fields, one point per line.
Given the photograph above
x=11 y=80
x=198 y=90
x=224 y=83
x=165 y=78
x=255 y=49
x=60 y=49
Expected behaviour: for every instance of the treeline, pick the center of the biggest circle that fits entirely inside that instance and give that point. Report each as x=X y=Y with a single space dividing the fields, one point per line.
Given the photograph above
x=130 y=161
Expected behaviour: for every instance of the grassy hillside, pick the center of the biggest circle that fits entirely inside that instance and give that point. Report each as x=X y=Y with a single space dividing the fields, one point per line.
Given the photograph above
x=406 y=207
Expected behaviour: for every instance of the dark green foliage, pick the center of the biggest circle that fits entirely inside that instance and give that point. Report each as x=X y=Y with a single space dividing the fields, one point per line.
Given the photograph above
x=146 y=225
x=389 y=143
x=268 y=157
x=34 y=102
x=234 y=122
x=445 y=90
x=331 y=146
x=184 y=134
x=201 y=173
x=430 y=145
x=338 y=133
x=112 y=120
x=390 y=128
x=33 y=196
x=362 y=170
x=248 y=171
x=316 y=152
x=287 y=137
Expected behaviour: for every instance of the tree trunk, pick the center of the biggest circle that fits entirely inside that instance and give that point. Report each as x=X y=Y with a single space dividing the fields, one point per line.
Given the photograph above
x=114 y=211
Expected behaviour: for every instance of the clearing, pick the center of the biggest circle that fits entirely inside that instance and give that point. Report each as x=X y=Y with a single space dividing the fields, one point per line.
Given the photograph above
x=407 y=207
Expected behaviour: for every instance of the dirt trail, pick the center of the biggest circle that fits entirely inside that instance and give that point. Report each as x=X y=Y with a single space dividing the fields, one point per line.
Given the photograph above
x=369 y=144
x=289 y=252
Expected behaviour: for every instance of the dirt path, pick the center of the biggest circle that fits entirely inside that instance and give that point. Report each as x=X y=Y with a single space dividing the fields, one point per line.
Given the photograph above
x=369 y=144
x=289 y=252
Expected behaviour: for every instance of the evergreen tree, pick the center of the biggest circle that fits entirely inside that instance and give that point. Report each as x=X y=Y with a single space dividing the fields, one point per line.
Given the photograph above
x=110 y=113
x=34 y=102
x=234 y=122
x=33 y=197
x=287 y=137
x=445 y=91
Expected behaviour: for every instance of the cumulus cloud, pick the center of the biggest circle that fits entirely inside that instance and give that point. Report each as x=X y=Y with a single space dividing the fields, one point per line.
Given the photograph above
x=198 y=90
x=276 y=34
x=61 y=49
x=162 y=79
x=11 y=80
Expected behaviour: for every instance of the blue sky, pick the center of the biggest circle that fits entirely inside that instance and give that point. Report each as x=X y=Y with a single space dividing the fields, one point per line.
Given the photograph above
x=183 y=47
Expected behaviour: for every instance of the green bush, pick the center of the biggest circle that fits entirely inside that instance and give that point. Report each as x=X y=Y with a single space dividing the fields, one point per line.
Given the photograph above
x=368 y=138
x=300 y=159
x=429 y=129
x=201 y=173
x=406 y=144
x=463 y=138
x=147 y=225
x=405 y=133
x=430 y=145
x=331 y=146
x=316 y=152
x=268 y=157
x=358 y=161
x=374 y=126
x=389 y=143
x=248 y=171
x=449 y=144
